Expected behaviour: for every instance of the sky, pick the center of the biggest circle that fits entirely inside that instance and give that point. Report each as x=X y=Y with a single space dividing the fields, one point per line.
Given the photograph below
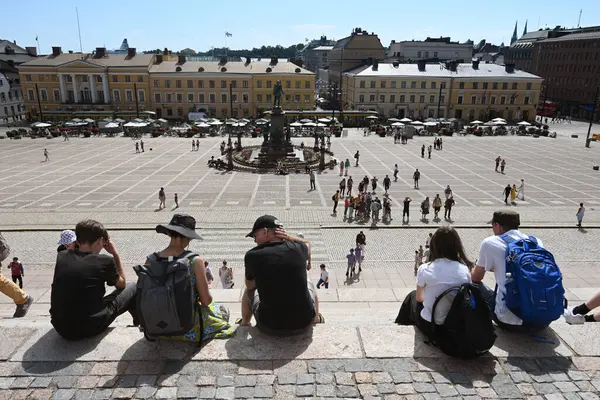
x=200 y=25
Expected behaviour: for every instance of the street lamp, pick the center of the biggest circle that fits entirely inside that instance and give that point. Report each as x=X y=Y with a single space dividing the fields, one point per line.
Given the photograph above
x=596 y=99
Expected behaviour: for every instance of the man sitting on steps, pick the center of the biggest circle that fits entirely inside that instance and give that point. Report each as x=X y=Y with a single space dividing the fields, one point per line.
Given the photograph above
x=278 y=292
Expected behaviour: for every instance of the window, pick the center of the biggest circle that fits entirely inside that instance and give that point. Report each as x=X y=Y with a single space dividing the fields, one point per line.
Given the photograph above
x=43 y=94
x=245 y=97
x=157 y=98
x=297 y=83
x=372 y=98
x=403 y=85
x=167 y=83
x=2 y=97
x=180 y=112
x=179 y=97
x=190 y=97
x=201 y=98
x=412 y=98
x=211 y=84
x=361 y=98
x=306 y=84
x=402 y=98
x=443 y=85
x=442 y=98
x=212 y=98
x=259 y=98
x=432 y=99
x=460 y=99
x=178 y=84
x=297 y=98
x=234 y=98
x=288 y=84
x=485 y=85
x=200 y=84
x=418 y=54
x=495 y=85
x=307 y=98
x=56 y=93
x=259 y=84
x=493 y=100
x=169 y=112
x=141 y=96
x=393 y=84
x=423 y=85
x=169 y=98
x=190 y=84
x=461 y=85
x=234 y=84
x=392 y=98
x=362 y=84
x=382 y=98
x=41 y=78
x=413 y=85
x=422 y=98
x=512 y=99
x=245 y=84
x=223 y=84
x=473 y=99
x=127 y=78
x=223 y=98
x=128 y=96
x=426 y=54
x=526 y=100
x=503 y=100
x=475 y=85
x=433 y=85
x=528 y=85
x=269 y=98
x=1 y=82
x=156 y=83
x=115 y=78
x=269 y=84
x=117 y=96
x=28 y=78
x=382 y=84
x=435 y=54
x=504 y=85
x=514 y=86
x=483 y=99
x=372 y=84
x=140 y=78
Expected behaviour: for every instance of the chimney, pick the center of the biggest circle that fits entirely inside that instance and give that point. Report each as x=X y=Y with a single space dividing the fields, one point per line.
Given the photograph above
x=32 y=51
x=453 y=65
x=247 y=60
x=421 y=65
x=375 y=65
x=181 y=60
x=158 y=59
x=131 y=52
x=274 y=60
x=510 y=68
x=223 y=61
x=475 y=64
x=165 y=52
x=100 y=52
x=396 y=63
x=56 y=51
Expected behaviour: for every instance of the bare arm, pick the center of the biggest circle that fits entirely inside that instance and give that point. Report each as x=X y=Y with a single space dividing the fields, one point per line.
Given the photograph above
x=121 y=282
x=250 y=285
x=477 y=273
x=420 y=294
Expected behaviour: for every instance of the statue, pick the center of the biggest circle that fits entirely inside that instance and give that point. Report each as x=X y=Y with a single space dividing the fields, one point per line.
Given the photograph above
x=277 y=92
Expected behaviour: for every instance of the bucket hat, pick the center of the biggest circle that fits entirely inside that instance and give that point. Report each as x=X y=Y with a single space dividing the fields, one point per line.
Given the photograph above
x=183 y=224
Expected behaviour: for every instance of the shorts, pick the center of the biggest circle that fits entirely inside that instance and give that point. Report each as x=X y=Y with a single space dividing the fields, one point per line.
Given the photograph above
x=254 y=300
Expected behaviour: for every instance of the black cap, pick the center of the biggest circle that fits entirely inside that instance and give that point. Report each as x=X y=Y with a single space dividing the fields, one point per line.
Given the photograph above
x=183 y=224
x=266 y=221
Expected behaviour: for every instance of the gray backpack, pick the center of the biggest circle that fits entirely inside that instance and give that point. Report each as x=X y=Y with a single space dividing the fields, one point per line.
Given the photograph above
x=166 y=299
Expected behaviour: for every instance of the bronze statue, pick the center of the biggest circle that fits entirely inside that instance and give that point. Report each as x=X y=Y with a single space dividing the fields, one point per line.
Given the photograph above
x=277 y=92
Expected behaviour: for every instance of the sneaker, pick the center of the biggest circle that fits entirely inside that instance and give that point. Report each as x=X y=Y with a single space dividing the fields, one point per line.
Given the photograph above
x=22 y=309
x=573 y=319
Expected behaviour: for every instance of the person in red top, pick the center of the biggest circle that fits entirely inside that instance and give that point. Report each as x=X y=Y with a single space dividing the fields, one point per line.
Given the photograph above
x=16 y=269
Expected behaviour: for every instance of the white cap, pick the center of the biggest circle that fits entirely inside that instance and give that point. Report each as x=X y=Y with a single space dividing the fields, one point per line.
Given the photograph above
x=300 y=235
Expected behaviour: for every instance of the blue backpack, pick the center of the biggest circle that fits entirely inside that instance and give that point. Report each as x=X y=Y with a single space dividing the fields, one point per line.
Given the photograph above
x=534 y=289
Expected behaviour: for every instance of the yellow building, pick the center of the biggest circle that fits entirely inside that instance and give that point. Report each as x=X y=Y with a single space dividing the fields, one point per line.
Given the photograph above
x=462 y=91
x=166 y=85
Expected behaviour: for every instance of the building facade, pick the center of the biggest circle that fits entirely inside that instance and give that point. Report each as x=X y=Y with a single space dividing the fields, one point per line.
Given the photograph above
x=164 y=84
x=435 y=49
x=463 y=91
x=12 y=107
x=317 y=58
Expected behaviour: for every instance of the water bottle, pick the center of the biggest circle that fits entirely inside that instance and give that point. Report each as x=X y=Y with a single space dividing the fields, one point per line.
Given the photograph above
x=509 y=278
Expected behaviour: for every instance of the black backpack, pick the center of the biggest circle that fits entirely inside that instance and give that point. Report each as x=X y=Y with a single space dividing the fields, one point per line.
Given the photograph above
x=468 y=330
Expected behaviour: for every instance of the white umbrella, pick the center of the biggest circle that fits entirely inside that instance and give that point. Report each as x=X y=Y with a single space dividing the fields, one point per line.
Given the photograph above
x=162 y=120
x=310 y=124
x=430 y=123
x=111 y=125
x=244 y=120
x=263 y=122
x=305 y=121
x=417 y=123
x=107 y=119
x=499 y=122
x=476 y=122
x=406 y=120
x=295 y=124
x=499 y=119
x=490 y=123
x=119 y=120
x=202 y=125
x=393 y=120
x=524 y=123
x=41 y=125
x=372 y=117
x=76 y=120
x=324 y=120
x=89 y=120
x=216 y=122
x=397 y=124
x=320 y=125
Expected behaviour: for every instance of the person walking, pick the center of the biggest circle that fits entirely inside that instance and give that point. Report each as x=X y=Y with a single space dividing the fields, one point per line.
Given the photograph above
x=418 y=261
x=429 y=151
x=498 y=159
x=193 y=145
x=359 y=252
x=347 y=202
x=513 y=194
x=416 y=177
x=46 y=155
x=197 y=144
x=17 y=272
x=447 y=192
x=406 y=208
x=162 y=198
x=324 y=279
x=424 y=208
x=343 y=186
x=395 y=172
x=226 y=276
x=349 y=184
x=507 y=191
x=423 y=151
x=448 y=207
x=137 y=147
x=341 y=168
x=357 y=157
x=580 y=213
x=437 y=206
x=386 y=183
x=176 y=199
x=336 y=199
x=312 y=180
x=351 y=269
x=347 y=167
x=374 y=183
x=502 y=165
x=142 y=145
x=521 y=190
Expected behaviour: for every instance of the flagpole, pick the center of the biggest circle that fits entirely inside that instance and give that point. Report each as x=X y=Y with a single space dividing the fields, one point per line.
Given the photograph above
x=79 y=30
x=38 y=44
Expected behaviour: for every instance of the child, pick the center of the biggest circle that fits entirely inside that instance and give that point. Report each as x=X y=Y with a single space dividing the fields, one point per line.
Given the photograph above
x=17 y=271
x=324 y=279
x=351 y=263
x=209 y=275
x=176 y=201
x=226 y=275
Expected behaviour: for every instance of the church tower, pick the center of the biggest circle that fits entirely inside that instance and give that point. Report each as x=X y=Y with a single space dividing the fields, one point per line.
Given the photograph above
x=514 y=35
x=525 y=30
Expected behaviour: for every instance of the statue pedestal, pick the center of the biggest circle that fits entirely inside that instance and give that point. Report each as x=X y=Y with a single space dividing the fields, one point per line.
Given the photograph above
x=277 y=148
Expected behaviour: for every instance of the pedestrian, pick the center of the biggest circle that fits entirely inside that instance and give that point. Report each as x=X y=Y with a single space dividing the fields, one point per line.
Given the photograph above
x=341 y=168
x=357 y=157
x=498 y=159
x=349 y=184
x=176 y=199
x=387 y=210
x=209 y=274
x=416 y=177
x=8 y=288
x=343 y=186
x=375 y=207
x=448 y=207
x=142 y=145
x=441 y=144
x=197 y=144
x=429 y=151
x=395 y=172
x=17 y=271
x=366 y=183
x=428 y=241
x=580 y=213
x=226 y=275
x=418 y=261
x=347 y=166
x=336 y=199
x=424 y=208
x=137 y=147
x=507 y=191
x=361 y=186
x=521 y=190
x=68 y=240
x=502 y=165
x=47 y=155
x=350 y=270
x=386 y=183
x=193 y=145
x=360 y=256
x=347 y=202
x=437 y=206
x=447 y=192
x=423 y=151
x=324 y=279
x=513 y=193
x=405 y=209
x=163 y=198
x=374 y=183
x=66 y=137
x=312 y=180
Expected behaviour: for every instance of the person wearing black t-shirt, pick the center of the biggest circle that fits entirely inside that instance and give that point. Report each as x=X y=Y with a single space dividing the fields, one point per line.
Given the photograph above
x=78 y=306
x=278 y=292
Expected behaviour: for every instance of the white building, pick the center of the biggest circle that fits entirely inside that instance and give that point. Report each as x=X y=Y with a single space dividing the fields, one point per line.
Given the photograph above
x=435 y=49
x=317 y=58
x=12 y=107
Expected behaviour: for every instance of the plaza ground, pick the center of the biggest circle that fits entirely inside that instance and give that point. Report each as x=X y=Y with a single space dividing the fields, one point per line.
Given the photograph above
x=358 y=352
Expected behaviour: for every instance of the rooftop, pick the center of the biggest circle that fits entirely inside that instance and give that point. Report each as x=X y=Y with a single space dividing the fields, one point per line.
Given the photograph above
x=575 y=36
x=234 y=67
x=323 y=48
x=435 y=70
x=109 y=60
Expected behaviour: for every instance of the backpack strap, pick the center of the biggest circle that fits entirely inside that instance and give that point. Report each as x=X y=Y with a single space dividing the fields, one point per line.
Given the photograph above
x=507 y=238
x=434 y=326
x=534 y=240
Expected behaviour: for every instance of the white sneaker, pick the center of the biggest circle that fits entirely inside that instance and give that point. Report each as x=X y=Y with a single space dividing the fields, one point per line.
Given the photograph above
x=573 y=319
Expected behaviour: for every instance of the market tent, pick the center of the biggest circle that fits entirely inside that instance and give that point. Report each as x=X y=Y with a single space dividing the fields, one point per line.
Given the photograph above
x=89 y=120
x=111 y=125
x=393 y=120
x=476 y=122
x=430 y=123
x=406 y=120
x=372 y=117
x=162 y=120
x=76 y=120
x=524 y=123
x=396 y=124
x=417 y=123
x=499 y=122
x=215 y=122
x=295 y=124
x=324 y=120
x=305 y=121
x=310 y=124
x=41 y=125
x=202 y=124
x=120 y=120
x=320 y=125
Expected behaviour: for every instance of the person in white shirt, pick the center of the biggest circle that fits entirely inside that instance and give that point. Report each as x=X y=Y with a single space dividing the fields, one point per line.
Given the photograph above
x=449 y=267
x=324 y=279
x=492 y=258
x=521 y=190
